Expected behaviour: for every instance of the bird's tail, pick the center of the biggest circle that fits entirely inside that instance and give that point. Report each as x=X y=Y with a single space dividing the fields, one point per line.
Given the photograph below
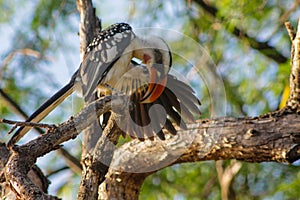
x=44 y=110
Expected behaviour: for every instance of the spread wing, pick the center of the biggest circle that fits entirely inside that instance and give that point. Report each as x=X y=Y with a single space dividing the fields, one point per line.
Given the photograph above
x=177 y=103
x=102 y=54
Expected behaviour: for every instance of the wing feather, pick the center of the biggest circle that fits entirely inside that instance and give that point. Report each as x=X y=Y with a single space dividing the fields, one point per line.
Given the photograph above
x=102 y=54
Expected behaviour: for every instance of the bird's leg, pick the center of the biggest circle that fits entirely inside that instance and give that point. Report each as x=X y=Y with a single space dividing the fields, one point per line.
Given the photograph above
x=113 y=90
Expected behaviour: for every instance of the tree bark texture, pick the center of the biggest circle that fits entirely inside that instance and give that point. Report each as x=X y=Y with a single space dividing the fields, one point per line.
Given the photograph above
x=274 y=137
x=90 y=26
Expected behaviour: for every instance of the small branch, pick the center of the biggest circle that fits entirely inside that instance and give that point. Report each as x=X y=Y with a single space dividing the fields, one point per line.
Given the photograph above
x=11 y=104
x=290 y=30
x=22 y=123
x=287 y=14
x=105 y=147
x=71 y=161
x=25 y=52
x=25 y=156
x=294 y=98
x=226 y=176
x=51 y=173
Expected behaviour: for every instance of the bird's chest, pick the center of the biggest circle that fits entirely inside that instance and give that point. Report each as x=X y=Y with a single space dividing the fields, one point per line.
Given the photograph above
x=114 y=75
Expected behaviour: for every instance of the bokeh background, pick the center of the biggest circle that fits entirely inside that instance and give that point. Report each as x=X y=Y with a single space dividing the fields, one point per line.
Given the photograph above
x=247 y=44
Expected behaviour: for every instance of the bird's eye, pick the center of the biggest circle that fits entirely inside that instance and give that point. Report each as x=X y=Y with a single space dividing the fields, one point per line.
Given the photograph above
x=136 y=61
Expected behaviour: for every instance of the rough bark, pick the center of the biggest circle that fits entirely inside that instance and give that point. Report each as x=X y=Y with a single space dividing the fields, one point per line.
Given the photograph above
x=90 y=25
x=269 y=138
x=23 y=157
x=71 y=161
x=294 y=97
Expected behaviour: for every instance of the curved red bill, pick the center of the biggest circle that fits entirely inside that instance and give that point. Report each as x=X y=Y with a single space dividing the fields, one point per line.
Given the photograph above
x=155 y=88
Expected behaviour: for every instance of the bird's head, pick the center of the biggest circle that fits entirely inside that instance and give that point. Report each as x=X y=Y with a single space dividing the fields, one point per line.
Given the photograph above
x=155 y=54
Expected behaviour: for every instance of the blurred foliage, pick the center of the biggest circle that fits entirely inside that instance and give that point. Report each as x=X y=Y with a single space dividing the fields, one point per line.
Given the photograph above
x=253 y=83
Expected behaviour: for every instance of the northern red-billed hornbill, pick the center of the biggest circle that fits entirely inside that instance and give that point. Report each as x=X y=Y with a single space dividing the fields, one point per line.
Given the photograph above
x=108 y=64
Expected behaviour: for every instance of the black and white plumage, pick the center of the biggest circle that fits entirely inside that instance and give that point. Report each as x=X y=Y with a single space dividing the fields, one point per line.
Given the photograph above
x=107 y=59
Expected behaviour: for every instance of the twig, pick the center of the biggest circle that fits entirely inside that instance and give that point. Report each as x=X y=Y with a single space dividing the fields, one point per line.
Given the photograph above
x=31 y=124
x=290 y=30
x=26 y=52
x=226 y=176
x=12 y=104
x=287 y=14
x=57 y=171
x=72 y=162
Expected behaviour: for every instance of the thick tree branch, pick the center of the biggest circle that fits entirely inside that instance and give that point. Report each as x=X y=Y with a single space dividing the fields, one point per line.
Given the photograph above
x=263 y=47
x=272 y=137
x=34 y=174
x=90 y=25
x=98 y=162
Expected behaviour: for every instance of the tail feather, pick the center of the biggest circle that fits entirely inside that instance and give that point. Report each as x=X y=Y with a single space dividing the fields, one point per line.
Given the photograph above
x=43 y=111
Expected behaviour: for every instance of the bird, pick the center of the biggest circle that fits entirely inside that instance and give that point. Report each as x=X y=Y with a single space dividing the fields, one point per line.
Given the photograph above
x=107 y=59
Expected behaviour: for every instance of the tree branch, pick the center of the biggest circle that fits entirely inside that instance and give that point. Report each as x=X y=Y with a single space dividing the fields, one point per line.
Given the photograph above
x=294 y=98
x=263 y=47
x=272 y=137
x=11 y=104
x=226 y=176
x=34 y=174
x=90 y=26
x=98 y=161
x=23 y=157
x=71 y=161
